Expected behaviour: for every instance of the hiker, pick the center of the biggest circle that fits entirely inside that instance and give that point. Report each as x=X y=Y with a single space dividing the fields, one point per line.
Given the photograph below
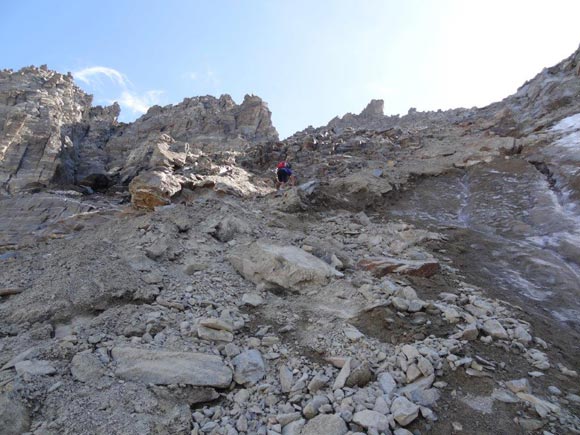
x=284 y=175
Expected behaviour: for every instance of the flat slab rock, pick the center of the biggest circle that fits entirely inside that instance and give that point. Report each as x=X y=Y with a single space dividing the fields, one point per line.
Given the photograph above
x=288 y=267
x=381 y=266
x=164 y=368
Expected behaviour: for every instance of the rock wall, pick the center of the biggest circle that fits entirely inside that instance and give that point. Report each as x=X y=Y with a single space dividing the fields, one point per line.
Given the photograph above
x=50 y=134
x=37 y=107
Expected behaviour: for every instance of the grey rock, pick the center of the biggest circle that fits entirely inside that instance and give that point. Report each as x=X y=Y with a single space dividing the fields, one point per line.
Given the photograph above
x=286 y=379
x=470 y=332
x=504 y=396
x=426 y=397
x=252 y=299
x=249 y=367
x=34 y=368
x=312 y=407
x=371 y=419
x=343 y=375
x=163 y=368
x=404 y=411
x=387 y=383
x=86 y=367
x=325 y=424
x=288 y=418
x=294 y=428
x=214 y=334
x=359 y=376
x=317 y=382
x=519 y=385
x=495 y=329
x=278 y=266
x=14 y=416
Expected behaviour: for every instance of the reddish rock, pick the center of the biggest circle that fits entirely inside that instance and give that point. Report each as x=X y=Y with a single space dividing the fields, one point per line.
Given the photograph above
x=380 y=266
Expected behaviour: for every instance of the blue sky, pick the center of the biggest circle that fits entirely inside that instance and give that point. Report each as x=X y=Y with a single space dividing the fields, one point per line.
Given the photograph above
x=310 y=60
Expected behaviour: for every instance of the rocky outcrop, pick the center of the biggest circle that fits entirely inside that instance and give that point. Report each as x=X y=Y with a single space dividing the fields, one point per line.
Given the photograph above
x=38 y=108
x=206 y=123
x=50 y=134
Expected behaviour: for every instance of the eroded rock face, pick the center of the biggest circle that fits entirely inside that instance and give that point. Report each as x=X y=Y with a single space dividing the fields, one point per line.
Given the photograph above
x=38 y=108
x=212 y=124
x=49 y=133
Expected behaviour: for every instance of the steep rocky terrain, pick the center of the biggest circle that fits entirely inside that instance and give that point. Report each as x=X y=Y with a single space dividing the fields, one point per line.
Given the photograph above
x=422 y=278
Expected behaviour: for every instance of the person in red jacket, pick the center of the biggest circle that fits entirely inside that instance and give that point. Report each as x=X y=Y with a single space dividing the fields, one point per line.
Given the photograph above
x=284 y=175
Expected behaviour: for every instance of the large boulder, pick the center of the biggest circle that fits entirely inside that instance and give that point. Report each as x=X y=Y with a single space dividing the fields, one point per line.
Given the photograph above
x=360 y=189
x=164 y=368
x=153 y=188
x=278 y=266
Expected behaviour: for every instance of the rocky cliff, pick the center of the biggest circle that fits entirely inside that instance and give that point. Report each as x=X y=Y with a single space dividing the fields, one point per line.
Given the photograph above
x=422 y=277
x=51 y=135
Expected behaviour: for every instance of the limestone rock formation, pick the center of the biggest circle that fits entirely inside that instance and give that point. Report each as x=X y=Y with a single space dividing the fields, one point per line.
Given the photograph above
x=50 y=134
x=38 y=108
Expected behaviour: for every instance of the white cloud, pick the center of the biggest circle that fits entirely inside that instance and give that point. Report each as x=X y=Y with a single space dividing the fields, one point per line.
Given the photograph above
x=87 y=75
x=122 y=89
x=139 y=103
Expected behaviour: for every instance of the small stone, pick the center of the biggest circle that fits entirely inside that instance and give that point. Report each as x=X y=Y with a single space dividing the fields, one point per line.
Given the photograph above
x=242 y=396
x=231 y=350
x=404 y=411
x=242 y=423
x=34 y=367
x=252 y=299
x=519 y=385
x=495 y=329
x=288 y=418
x=14 y=416
x=425 y=366
x=249 y=367
x=360 y=376
x=214 y=334
x=521 y=335
x=86 y=367
x=470 y=332
x=426 y=397
x=410 y=352
x=456 y=426
x=352 y=333
x=312 y=407
x=317 y=382
x=343 y=375
x=387 y=383
x=371 y=419
x=215 y=323
x=530 y=424
x=413 y=373
x=567 y=372
x=286 y=379
x=400 y=304
x=554 y=390
x=504 y=396
x=325 y=424
x=294 y=428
